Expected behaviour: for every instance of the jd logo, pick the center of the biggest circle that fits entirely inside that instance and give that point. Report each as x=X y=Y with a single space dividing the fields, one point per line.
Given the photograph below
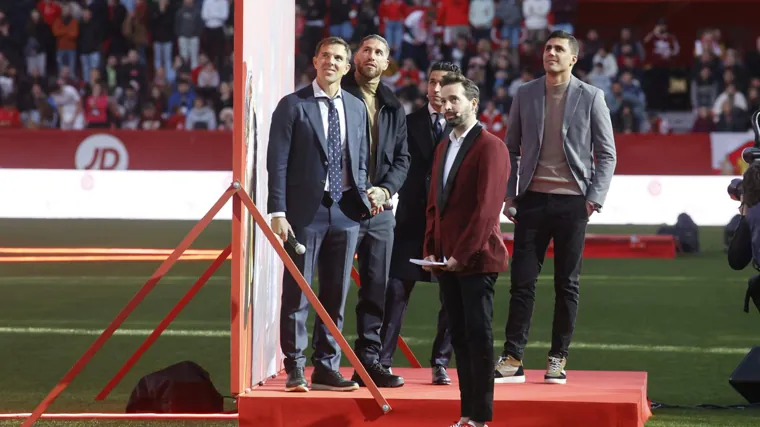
x=102 y=151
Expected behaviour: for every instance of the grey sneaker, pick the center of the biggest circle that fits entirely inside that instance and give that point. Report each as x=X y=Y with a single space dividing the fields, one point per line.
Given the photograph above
x=508 y=371
x=555 y=370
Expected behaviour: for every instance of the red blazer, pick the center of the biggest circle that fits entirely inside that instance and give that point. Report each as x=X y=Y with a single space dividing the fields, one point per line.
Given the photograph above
x=463 y=217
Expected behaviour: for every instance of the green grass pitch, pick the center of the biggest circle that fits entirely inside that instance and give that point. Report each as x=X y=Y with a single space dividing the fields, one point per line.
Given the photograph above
x=680 y=320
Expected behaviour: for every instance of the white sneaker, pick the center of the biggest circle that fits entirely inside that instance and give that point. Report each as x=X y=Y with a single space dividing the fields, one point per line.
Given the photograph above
x=555 y=370
x=467 y=424
x=508 y=371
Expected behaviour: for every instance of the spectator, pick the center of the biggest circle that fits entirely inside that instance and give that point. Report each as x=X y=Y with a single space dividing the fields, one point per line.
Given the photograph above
x=135 y=29
x=96 y=108
x=200 y=116
x=188 y=27
x=68 y=104
x=89 y=41
x=161 y=29
x=66 y=32
x=214 y=15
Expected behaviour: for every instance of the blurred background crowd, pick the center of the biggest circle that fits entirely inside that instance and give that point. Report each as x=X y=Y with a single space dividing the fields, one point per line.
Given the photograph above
x=167 y=64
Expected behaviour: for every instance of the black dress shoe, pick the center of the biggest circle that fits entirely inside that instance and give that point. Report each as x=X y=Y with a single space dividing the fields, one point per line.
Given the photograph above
x=331 y=381
x=381 y=376
x=440 y=377
x=296 y=381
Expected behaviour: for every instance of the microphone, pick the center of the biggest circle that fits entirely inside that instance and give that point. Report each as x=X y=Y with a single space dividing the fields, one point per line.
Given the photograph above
x=299 y=248
x=512 y=211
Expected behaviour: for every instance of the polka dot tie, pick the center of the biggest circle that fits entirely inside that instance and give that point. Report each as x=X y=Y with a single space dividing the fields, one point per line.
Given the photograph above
x=334 y=153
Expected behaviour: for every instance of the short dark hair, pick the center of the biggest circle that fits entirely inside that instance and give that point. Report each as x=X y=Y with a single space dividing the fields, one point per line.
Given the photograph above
x=471 y=90
x=449 y=67
x=378 y=38
x=751 y=184
x=330 y=41
x=571 y=40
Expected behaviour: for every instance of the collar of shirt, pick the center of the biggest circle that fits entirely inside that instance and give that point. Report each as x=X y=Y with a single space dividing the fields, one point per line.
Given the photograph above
x=319 y=93
x=460 y=140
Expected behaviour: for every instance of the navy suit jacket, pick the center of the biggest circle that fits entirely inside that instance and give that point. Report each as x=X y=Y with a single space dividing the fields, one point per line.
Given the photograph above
x=297 y=158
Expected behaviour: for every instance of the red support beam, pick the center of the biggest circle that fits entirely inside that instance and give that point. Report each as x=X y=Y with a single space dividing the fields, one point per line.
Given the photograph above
x=130 y=363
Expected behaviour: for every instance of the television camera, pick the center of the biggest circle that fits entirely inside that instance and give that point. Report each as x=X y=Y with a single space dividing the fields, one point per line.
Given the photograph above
x=749 y=155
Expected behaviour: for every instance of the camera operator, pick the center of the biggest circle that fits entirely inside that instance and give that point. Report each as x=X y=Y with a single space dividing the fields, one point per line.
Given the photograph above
x=745 y=244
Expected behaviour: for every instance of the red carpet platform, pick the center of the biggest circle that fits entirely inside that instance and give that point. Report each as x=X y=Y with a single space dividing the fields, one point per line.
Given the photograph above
x=589 y=399
x=618 y=246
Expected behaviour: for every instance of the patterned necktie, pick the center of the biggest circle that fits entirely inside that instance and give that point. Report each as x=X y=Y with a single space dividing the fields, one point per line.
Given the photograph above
x=438 y=127
x=334 y=153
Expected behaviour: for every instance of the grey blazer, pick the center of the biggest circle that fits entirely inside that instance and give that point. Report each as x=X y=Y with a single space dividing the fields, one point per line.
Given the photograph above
x=587 y=131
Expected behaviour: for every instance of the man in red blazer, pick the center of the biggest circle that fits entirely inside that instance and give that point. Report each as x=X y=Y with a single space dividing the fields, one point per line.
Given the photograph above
x=468 y=184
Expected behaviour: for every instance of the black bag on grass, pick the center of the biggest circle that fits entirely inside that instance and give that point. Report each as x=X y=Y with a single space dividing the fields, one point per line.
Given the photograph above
x=181 y=388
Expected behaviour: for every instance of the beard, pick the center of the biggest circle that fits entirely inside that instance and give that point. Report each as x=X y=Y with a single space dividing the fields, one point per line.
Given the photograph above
x=369 y=73
x=459 y=119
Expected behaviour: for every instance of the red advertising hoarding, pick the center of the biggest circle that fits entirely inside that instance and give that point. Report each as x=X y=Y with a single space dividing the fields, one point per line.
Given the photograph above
x=116 y=150
x=638 y=154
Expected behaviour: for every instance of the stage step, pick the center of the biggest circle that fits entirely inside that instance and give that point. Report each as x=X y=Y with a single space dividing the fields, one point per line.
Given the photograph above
x=589 y=399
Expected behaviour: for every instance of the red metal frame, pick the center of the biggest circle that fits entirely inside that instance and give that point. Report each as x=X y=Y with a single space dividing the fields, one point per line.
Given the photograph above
x=131 y=305
x=312 y=297
x=240 y=363
x=165 y=323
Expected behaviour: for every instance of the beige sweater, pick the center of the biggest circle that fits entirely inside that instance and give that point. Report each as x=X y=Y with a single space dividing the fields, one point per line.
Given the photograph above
x=553 y=173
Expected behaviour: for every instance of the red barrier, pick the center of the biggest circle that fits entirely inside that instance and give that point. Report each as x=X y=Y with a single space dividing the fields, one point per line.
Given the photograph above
x=653 y=154
x=638 y=154
x=116 y=149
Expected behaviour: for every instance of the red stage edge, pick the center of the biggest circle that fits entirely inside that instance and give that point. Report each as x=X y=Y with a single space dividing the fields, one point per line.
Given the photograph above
x=131 y=417
x=402 y=345
x=165 y=323
x=589 y=399
x=130 y=307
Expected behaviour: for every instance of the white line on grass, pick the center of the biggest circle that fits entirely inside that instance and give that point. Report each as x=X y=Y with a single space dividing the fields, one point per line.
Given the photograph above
x=139 y=280
x=350 y=338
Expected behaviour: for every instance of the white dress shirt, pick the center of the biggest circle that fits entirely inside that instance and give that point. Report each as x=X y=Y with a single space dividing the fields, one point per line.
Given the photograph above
x=456 y=144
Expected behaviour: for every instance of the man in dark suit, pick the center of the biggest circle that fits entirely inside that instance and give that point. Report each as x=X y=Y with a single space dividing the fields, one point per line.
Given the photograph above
x=316 y=161
x=463 y=231
x=425 y=129
x=388 y=163
x=558 y=126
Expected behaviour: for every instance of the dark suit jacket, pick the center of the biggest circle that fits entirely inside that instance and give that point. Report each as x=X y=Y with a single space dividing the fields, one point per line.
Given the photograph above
x=463 y=214
x=297 y=157
x=412 y=198
x=392 y=160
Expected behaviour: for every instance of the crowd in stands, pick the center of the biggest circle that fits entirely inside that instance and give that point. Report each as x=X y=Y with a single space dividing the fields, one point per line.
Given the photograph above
x=128 y=64
x=150 y=64
x=499 y=43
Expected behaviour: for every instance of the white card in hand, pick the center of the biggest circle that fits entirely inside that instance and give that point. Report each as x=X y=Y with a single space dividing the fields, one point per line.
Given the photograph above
x=424 y=263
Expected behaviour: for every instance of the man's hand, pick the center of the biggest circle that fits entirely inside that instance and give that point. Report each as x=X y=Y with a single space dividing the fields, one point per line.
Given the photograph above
x=430 y=268
x=281 y=227
x=377 y=196
x=590 y=208
x=452 y=265
x=509 y=203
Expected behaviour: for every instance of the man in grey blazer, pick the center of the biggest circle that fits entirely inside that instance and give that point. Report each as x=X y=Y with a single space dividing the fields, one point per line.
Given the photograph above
x=316 y=161
x=558 y=125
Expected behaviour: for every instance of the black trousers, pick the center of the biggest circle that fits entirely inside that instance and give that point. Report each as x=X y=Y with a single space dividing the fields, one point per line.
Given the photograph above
x=396 y=302
x=374 y=248
x=469 y=304
x=540 y=218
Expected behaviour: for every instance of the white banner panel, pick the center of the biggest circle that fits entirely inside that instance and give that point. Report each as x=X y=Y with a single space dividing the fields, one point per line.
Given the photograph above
x=188 y=195
x=269 y=56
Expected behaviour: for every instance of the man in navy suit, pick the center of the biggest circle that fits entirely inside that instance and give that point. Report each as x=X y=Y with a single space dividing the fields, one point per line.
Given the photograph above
x=316 y=159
